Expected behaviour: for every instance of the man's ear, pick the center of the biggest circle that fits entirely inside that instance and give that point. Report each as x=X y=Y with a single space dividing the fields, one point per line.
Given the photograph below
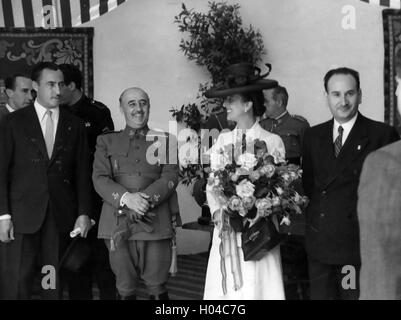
x=35 y=86
x=9 y=93
x=359 y=96
x=72 y=86
x=279 y=102
x=325 y=94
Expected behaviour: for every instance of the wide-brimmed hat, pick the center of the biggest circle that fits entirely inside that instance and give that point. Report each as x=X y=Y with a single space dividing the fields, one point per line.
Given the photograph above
x=240 y=78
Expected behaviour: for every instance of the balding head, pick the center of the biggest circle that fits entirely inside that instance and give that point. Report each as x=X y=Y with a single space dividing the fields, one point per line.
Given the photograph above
x=134 y=103
x=133 y=89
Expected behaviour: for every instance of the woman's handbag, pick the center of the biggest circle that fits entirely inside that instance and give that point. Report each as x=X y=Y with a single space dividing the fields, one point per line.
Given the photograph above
x=259 y=239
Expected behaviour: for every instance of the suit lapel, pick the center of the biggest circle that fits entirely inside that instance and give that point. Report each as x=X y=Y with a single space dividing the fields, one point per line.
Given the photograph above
x=326 y=149
x=353 y=147
x=34 y=131
x=62 y=133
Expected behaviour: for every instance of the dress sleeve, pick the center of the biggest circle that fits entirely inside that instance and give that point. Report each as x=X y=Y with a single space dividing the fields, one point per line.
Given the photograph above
x=212 y=202
x=276 y=148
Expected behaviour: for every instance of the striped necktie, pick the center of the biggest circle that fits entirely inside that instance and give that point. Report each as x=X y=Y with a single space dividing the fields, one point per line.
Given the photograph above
x=338 y=143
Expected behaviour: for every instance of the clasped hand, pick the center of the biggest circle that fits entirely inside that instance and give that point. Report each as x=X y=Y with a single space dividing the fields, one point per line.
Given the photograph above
x=137 y=203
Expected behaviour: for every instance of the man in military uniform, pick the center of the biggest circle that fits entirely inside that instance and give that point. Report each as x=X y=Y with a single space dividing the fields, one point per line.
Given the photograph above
x=291 y=129
x=97 y=119
x=131 y=179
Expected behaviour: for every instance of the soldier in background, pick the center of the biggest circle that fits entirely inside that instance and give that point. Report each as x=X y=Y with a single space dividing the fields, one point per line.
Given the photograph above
x=97 y=119
x=291 y=129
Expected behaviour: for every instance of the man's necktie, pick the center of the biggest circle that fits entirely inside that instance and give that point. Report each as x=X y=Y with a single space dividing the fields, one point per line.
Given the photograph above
x=338 y=143
x=49 y=133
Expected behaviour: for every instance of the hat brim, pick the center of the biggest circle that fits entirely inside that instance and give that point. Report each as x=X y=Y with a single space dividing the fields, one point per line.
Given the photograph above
x=224 y=91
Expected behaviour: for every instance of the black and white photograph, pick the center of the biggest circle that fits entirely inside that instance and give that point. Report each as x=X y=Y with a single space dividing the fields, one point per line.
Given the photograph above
x=200 y=150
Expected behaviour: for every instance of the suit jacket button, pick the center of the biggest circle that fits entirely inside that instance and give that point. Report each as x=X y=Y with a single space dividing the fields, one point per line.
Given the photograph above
x=322 y=215
x=324 y=192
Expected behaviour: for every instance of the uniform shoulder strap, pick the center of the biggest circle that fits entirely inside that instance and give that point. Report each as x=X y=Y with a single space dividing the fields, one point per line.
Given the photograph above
x=300 y=118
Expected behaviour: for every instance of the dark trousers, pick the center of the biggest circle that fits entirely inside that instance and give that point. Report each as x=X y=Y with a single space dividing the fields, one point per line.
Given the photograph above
x=295 y=268
x=97 y=270
x=146 y=260
x=22 y=257
x=327 y=281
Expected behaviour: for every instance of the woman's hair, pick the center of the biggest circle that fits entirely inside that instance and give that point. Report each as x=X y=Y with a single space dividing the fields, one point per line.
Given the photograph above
x=257 y=99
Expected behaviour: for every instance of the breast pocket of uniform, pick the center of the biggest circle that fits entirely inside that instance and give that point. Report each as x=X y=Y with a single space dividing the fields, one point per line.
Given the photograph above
x=292 y=142
x=118 y=161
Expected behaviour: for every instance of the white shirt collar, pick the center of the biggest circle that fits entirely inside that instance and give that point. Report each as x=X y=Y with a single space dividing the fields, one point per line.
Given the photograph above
x=9 y=108
x=41 y=111
x=347 y=126
x=251 y=132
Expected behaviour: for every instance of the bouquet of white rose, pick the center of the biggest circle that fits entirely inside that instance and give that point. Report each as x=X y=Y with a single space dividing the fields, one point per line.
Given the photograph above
x=252 y=186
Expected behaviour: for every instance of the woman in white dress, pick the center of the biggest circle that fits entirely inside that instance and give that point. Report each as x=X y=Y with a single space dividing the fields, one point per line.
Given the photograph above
x=229 y=277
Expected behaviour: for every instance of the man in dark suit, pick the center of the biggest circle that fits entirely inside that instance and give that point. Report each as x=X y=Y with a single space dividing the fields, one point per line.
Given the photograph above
x=333 y=154
x=18 y=92
x=3 y=111
x=44 y=186
x=97 y=119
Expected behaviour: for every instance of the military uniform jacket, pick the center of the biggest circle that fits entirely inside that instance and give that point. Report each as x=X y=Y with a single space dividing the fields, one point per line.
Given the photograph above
x=97 y=120
x=96 y=117
x=291 y=129
x=332 y=231
x=123 y=163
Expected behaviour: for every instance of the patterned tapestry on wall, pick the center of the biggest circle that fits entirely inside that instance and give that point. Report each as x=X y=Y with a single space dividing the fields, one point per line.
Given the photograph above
x=392 y=67
x=22 y=48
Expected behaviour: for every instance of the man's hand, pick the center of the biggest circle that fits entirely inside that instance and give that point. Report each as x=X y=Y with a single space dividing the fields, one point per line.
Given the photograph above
x=134 y=216
x=84 y=223
x=6 y=230
x=138 y=202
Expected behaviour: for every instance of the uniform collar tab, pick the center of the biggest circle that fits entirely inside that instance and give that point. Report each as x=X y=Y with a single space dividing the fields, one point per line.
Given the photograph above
x=281 y=115
x=131 y=132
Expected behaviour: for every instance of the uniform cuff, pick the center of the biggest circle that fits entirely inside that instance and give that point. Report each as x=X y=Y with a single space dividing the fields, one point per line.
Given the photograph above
x=122 y=202
x=5 y=217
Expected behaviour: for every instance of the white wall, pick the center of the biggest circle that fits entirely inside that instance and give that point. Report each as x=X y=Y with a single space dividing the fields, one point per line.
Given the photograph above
x=137 y=45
